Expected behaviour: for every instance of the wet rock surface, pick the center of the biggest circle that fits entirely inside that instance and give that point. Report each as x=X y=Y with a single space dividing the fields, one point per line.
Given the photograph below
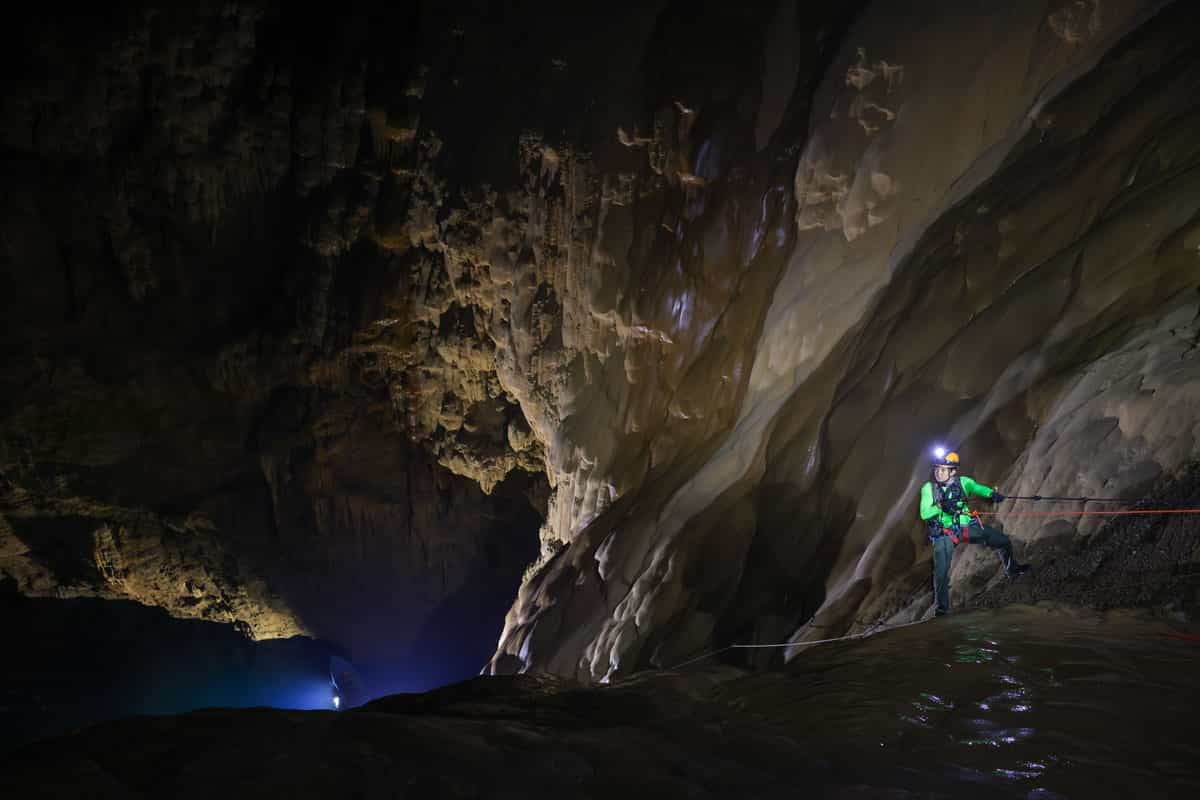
x=1023 y=702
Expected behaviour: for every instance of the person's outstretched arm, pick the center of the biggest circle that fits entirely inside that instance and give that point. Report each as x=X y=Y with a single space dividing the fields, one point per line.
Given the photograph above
x=970 y=486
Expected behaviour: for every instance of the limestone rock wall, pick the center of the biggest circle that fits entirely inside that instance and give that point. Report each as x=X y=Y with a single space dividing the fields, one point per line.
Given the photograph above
x=221 y=394
x=269 y=278
x=304 y=312
x=1049 y=277
x=309 y=258
x=991 y=251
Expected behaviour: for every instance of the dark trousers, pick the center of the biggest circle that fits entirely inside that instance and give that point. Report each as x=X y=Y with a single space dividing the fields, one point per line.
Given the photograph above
x=943 y=553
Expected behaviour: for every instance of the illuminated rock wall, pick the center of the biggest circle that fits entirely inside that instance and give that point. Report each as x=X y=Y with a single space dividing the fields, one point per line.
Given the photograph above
x=301 y=315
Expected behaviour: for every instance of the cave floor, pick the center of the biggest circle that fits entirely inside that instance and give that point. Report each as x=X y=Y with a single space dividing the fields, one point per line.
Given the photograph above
x=1026 y=701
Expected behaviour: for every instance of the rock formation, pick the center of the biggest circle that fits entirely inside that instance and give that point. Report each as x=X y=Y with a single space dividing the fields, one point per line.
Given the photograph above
x=305 y=317
x=998 y=258
x=221 y=396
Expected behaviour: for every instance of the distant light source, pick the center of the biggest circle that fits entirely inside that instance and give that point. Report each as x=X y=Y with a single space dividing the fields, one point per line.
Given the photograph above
x=337 y=702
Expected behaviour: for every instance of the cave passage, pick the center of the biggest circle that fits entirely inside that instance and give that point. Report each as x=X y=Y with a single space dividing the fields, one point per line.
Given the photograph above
x=69 y=663
x=73 y=662
x=458 y=638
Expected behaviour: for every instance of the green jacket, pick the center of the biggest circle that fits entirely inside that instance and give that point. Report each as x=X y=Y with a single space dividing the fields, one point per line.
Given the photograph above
x=930 y=509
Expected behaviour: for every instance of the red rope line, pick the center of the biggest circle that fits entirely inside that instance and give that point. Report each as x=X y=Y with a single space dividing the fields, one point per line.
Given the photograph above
x=1085 y=513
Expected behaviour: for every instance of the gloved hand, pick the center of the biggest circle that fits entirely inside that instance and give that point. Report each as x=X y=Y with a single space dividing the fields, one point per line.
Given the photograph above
x=996 y=496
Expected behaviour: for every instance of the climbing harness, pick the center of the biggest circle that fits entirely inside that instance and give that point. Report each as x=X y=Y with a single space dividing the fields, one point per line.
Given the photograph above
x=951 y=498
x=957 y=533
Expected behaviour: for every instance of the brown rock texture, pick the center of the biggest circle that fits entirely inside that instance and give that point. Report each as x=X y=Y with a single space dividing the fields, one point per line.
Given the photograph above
x=220 y=394
x=308 y=262
x=300 y=312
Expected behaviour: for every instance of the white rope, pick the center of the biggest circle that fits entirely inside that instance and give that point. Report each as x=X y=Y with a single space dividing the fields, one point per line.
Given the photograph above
x=862 y=635
x=701 y=657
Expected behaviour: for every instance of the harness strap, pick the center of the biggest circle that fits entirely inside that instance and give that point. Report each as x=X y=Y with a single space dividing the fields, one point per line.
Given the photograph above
x=937 y=532
x=958 y=533
x=951 y=499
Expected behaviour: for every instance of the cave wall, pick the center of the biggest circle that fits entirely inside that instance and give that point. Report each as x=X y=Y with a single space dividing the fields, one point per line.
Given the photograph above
x=1060 y=354
x=303 y=314
x=991 y=251
x=202 y=405
x=270 y=277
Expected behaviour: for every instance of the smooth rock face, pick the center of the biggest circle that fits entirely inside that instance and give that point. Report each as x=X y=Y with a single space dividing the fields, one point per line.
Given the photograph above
x=987 y=256
x=303 y=315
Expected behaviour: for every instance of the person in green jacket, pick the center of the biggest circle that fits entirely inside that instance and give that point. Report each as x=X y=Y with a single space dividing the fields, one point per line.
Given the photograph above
x=944 y=509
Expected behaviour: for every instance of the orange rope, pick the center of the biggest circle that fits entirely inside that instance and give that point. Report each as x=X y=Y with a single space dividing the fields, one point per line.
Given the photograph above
x=1084 y=513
